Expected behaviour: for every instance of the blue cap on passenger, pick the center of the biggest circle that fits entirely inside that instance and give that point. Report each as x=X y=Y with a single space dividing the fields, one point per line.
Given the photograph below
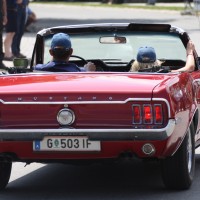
x=61 y=40
x=146 y=55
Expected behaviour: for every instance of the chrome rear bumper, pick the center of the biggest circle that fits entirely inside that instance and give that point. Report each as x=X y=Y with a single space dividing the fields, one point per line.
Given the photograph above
x=93 y=134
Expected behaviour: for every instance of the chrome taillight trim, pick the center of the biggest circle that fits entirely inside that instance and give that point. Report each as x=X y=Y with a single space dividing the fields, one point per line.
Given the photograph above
x=153 y=113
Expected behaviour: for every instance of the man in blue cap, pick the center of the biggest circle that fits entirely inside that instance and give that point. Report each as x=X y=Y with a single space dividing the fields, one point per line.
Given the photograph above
x=61 y=50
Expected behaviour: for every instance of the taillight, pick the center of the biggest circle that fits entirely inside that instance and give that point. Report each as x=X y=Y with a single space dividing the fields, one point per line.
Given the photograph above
x=147 y=114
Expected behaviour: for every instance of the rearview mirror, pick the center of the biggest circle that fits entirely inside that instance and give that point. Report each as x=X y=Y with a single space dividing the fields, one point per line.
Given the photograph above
x=112 y=40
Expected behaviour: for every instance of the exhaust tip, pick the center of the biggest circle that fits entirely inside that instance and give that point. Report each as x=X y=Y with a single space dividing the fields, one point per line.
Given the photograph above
x=148 y=149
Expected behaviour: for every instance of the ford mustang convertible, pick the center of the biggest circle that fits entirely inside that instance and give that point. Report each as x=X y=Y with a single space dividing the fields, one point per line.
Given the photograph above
x=68 y=117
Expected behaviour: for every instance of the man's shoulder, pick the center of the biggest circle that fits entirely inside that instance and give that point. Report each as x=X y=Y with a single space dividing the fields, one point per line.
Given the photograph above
x=58 y=67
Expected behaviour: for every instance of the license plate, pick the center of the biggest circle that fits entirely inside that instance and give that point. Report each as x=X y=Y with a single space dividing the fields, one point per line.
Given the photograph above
x=66 y=143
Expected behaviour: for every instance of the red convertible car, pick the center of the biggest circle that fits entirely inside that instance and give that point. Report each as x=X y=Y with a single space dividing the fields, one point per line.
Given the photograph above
x=94 y=116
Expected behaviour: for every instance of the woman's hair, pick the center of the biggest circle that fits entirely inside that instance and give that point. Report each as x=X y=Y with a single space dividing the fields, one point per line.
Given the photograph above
x=136 y=66
x=146 y=58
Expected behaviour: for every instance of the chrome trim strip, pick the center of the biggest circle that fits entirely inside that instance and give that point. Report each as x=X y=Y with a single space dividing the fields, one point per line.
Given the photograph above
x=87 y=102
x=76 y=102
x=93 y=134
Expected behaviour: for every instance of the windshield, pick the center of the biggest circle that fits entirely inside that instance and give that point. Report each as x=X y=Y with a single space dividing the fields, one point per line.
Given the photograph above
x=99 y=45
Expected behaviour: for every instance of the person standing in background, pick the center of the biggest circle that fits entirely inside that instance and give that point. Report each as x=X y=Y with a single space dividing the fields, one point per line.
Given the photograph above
x=3 y=21
x=11 y=27
x=21 y=21
x=31 y=18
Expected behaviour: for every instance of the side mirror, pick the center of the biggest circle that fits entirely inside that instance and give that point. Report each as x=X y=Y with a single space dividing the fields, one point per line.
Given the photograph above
x=21 y=62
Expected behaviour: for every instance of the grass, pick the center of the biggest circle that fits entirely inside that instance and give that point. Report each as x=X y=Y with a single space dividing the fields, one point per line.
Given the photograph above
x=133 y=6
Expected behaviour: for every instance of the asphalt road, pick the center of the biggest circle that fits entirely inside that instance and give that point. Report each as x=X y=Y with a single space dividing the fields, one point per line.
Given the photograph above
x=137 y=179
x=128 y=180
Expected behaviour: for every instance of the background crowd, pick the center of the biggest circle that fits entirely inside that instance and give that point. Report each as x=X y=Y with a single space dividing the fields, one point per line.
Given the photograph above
x=15 y=16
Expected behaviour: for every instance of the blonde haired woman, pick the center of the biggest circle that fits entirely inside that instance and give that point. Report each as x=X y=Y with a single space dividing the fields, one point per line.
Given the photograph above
x=146 y=58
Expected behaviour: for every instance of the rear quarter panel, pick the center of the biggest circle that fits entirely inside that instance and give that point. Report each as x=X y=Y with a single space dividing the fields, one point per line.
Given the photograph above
x=181 y=94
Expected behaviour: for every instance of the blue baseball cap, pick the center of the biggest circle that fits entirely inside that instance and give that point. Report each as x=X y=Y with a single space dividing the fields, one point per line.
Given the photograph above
x=61 y=40
x=146 y=55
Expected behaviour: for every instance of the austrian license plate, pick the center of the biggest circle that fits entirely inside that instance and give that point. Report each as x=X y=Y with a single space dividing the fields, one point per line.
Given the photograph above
x=66 y=143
